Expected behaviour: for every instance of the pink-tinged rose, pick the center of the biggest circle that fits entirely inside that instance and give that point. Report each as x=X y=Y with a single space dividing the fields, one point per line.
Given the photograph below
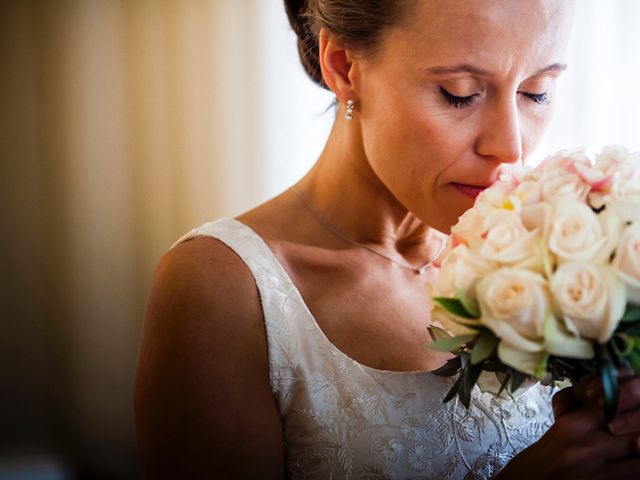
x=591 y=299
x=627 y=182
x=468 y=230
x=610 y=157
x=576 y=233
x=513 y=303
x=559 y=186
x=627 y=261
x=564 y=160
x=618 y=173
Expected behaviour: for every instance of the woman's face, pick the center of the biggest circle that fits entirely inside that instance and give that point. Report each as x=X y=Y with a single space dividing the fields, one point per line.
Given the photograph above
x=466 y=86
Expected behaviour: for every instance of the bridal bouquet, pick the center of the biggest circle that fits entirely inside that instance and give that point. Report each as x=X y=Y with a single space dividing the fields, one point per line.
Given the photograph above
x=541 y=281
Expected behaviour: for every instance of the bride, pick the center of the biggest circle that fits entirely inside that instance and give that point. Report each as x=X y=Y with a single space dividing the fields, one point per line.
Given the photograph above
x=289 y=342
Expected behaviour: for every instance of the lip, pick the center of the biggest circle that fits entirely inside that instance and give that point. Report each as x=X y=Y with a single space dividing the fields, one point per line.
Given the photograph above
x=471 y=191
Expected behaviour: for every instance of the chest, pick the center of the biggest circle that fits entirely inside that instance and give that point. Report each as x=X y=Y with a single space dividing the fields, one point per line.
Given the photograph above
x=378 y=317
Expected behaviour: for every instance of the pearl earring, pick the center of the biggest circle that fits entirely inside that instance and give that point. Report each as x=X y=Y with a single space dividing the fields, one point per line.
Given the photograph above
x=349 y=114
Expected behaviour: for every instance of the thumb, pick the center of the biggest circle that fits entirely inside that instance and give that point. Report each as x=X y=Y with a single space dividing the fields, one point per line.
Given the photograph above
x=564 y=402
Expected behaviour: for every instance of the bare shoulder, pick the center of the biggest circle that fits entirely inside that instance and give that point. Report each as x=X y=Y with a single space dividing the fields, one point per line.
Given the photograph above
x=203 y=402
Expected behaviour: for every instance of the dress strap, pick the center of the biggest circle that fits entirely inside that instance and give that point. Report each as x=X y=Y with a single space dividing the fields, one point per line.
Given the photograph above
x=282 y=304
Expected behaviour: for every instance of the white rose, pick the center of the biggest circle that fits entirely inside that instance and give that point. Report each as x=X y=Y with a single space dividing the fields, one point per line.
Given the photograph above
x=494 y=198
x=576 y=233
x=506 y=240
x=627 y=261
x=528 y=192
x=449 y=322
x=590 y=298
x=627 y=180
x=468 y=229
x=611 y=154
x=564 y=160
x=513 y=303
x=560 y=185
x=627 y=209
x=461 y=270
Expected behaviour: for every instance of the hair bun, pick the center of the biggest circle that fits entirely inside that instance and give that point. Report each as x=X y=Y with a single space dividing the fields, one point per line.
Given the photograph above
x=300 y=19
x=294 y=9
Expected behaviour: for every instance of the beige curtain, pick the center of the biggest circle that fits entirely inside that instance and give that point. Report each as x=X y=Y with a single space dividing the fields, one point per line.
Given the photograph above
x=123 y=124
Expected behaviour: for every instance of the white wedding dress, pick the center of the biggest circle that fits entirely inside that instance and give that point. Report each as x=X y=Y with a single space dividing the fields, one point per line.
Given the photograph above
x=342 y=419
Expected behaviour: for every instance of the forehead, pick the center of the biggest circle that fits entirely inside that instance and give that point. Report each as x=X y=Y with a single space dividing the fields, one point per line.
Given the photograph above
x=496 y=35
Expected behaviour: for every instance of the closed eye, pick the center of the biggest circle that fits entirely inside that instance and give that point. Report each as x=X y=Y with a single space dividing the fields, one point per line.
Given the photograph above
x=457 y=102
x=539 y=98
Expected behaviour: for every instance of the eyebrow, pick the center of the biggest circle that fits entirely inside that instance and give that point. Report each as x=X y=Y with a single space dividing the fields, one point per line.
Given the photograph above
x=466 y=68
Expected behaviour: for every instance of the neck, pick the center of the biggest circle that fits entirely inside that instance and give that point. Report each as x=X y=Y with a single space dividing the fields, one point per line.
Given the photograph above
x=343 y=190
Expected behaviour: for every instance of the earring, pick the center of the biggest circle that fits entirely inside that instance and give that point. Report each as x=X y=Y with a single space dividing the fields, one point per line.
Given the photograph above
x=349 y=114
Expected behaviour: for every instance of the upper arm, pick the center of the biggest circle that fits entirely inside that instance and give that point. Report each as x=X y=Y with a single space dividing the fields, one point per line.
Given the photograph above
x=203 y=403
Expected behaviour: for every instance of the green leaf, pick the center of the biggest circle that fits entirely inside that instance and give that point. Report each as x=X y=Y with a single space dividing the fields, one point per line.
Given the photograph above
x=559 y=342
x=452 y=344
x=518 y=380
x=437 y=333
x=449 y=369
x=454 y=390
x=484 y=347
x=494 y=366
x=631 y=314
x=541 y=369
x=622 y=344
x=505 y=381
x=469 y=379
x=469 y=304
x=455 y=306
x=634 y=361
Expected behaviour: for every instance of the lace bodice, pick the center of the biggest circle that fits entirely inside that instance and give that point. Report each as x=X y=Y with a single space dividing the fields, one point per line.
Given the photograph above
x=342 y=419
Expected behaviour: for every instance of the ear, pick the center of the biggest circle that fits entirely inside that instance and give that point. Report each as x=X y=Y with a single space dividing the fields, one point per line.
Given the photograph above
x=336 y=64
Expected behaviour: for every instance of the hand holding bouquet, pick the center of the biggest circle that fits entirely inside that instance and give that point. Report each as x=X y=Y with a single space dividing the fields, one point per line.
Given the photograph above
x=542 y=277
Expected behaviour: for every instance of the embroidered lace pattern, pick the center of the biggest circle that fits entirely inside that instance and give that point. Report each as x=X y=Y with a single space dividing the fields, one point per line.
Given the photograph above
x=342 y=419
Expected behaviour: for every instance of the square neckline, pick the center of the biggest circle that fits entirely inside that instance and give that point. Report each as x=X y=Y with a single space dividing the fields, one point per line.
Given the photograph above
x=298 y=297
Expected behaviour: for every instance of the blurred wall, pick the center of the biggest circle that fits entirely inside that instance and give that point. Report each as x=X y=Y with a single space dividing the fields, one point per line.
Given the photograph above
x=123 y=124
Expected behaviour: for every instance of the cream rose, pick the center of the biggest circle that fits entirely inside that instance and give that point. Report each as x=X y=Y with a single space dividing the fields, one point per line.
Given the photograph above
x=506 y=240
x=559 y=185
x=461 y=270
x=564 y=160
x=468 y=229
x=494 y=198
x=627 y=261
x=590 y=298
x=627 y=209
x=513 y=303
x=576 y=233
x=528 y=192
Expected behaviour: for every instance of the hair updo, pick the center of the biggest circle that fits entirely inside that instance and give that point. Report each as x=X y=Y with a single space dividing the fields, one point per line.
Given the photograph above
x=360 y=24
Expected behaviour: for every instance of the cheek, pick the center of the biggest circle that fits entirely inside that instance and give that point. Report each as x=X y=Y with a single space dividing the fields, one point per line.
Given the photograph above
x=533 y=129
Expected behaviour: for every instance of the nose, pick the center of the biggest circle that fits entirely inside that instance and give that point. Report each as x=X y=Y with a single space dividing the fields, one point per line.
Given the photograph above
x=500 y=138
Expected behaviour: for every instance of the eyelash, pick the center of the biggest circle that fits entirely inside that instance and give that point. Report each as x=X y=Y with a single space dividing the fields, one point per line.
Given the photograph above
x=461 y=102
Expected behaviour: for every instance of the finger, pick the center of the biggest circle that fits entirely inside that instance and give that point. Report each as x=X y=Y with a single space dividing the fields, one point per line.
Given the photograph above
x=626 y=423
x=584 y=420
x=622 y=470
x=599 y=449
x=564 y=402
x=629 y=395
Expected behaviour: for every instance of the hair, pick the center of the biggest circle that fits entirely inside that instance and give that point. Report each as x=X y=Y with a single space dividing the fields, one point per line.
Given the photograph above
x=360 y=24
